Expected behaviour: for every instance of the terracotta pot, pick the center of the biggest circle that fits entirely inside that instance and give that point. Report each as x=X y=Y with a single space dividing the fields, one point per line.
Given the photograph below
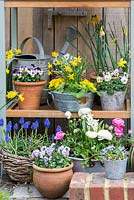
x=32 y=92
x=52 y=183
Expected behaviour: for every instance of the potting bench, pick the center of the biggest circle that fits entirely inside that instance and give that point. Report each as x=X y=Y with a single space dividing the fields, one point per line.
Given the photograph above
x=128 y=111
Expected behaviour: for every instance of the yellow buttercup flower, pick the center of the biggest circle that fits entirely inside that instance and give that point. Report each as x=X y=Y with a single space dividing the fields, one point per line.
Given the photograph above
x=55 y=54
x=68 y=69
x=11 y=94
x=20 y=97
x=102 y=33
x=71 y=76
x=54 y=83
x=122 y=62
x=74 y=63
x=87 y=83
x=50 y=66
x=7 y=71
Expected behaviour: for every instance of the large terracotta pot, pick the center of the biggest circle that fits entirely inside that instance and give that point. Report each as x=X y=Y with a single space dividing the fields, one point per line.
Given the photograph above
x=52 y=183
x=32 y=92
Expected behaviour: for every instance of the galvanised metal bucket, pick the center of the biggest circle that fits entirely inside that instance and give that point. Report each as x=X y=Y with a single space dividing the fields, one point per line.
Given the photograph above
x=67 y=102
x=113 y=102
x=115 y=169
x=39 y=60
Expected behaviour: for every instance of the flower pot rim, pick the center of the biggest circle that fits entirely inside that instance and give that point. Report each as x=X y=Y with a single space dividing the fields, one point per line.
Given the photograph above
x=53 y=170
x=42 y=82
x=116 y=160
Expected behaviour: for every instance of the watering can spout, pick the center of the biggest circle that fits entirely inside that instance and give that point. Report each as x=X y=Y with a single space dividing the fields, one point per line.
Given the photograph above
x=71 y=34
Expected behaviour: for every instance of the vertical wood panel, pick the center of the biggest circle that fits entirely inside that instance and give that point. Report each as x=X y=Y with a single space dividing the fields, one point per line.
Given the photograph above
x=7 y=27
x=25 y=26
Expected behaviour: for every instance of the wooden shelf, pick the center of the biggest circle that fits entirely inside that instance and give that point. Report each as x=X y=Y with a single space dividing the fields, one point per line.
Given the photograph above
x=63 y=3
x=46 y=111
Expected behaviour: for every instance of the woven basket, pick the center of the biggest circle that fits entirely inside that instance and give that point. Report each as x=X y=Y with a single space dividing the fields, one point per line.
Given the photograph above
x=19 y=168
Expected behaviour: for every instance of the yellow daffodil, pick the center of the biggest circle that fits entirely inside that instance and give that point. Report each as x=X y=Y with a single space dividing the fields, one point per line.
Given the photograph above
x=55 y=54
x=7 y=71
x=122 y=62
x=94 y=20
x=71 y=76
x=17 y=51
x=11 y=94
x=74 y=63
x=50 y=66
x=102 y=33
x=58 y=62
x=78 y=59
x=113 y=42
x=20 y=98
x=125 y=31
x=68 y=69
x=49 y=73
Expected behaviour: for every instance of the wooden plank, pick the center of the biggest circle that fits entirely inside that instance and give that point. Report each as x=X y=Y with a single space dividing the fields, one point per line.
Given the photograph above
x=8 y=28
x=25 y=27
x=58 y=4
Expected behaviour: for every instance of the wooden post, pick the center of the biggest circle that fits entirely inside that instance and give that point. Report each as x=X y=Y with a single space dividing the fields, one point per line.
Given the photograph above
x=2 y=61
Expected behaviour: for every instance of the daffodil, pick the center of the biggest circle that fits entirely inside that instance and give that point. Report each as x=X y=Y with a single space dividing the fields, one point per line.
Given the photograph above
x=7 y=71
x=122 y=62
x=71 y=76
x=50 y=66
x=125 y=31
x=78 y=59
x=68 y=69
x=11 y=94
x=17 y=51
x=20 y=98
x=102 y=33
x=94 y=20
x=49 y=73
x=74 y=63
x=55 y=54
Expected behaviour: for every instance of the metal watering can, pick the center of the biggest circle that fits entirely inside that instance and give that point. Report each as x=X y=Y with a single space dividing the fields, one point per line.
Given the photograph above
x=41 y=60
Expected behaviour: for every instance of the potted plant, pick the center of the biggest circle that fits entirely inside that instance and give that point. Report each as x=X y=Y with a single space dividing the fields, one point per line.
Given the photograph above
x=87 y=136
x=28 y=81
x=17 y=143
x=69 y=90
x=52 y=170
x=110 y=60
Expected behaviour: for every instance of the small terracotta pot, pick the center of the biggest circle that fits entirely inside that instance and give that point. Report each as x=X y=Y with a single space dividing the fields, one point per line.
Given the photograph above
x=32 y=92
x=52 y=183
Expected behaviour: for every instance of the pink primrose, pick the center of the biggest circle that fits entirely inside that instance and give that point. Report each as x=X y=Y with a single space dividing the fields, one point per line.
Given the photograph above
x=118 y=122
x=59 y=135
x=118 y=131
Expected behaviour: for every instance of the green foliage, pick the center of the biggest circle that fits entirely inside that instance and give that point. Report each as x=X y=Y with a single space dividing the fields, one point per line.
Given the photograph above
x=111 y=86
x=4 y=195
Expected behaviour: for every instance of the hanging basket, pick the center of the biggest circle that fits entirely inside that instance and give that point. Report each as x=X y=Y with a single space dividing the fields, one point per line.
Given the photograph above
x=19 y=168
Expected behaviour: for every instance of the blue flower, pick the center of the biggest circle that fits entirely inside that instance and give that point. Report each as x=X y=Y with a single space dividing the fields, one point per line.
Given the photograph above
x=25 y=125
x=47 y=123
x=10 y=123
x=34 y=125
x=1 y=122
x=8 y=128
x=7 y=138
x=15 y=127
x=21 y=121
x=58 y=128
x=37 y=119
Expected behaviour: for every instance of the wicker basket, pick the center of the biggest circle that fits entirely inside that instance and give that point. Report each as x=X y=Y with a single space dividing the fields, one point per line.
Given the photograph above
x=19 y=168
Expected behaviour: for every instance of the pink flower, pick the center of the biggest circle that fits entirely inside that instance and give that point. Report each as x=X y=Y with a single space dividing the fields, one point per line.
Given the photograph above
x=130 y=131
x=118 y=131
x=59 y=135
x=118 y=122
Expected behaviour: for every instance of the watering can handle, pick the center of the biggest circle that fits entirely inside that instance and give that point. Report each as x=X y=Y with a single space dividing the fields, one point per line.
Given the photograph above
x=38 y=43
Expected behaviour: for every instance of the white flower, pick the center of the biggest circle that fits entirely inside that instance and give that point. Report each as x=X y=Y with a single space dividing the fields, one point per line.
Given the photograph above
x=104 y=134
x=35 y=153
x=68 y=114
x=99 y=79
x=76 y=130
x=124 y=79
x=107 y=76
x=94 y=124
x=115 y=73
x=66 y=56
x=91 y=134
x=84 y=111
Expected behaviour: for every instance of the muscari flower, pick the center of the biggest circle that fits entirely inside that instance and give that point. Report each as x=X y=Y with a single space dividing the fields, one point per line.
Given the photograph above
x=26 y=125
x=15 y=127
x=34 y=125
x=58 y=128
x=1 y=122
x=21 y=120
x=46 y=123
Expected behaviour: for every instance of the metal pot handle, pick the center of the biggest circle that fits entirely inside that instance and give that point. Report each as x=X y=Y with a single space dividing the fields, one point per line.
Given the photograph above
x=38 y=43
x=48 y=103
